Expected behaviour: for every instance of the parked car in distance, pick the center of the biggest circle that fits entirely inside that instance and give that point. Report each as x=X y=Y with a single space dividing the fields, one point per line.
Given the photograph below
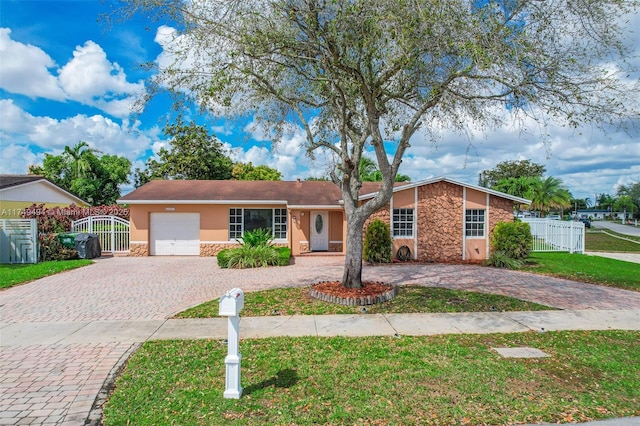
x=587 y=222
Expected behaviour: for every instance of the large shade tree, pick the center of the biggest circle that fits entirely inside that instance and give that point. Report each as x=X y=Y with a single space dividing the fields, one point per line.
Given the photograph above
x=366 y=75
x=247 y=171
x=193 y=153
x=85 y=172
x=632 y=193
x=506 y=170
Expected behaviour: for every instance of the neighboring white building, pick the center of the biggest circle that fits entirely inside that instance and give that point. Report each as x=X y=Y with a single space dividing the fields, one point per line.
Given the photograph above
x=598 y=214
x=18 y=192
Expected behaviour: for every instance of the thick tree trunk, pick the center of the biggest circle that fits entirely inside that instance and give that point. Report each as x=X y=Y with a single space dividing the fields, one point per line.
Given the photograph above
x=352 y=275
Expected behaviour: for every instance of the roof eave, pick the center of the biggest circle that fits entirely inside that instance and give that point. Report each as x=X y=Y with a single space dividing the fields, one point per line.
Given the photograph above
x=191 y=202
x=48 y=183
x=316 y=206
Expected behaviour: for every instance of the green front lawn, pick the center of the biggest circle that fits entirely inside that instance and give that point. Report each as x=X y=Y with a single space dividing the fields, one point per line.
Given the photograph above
x=599 y=241
x=585 y=268
x=410 y=299
x=22 y=273
x=440 y=380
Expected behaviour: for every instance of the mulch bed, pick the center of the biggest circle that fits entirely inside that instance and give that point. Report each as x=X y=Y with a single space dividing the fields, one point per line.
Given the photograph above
x=370 y=293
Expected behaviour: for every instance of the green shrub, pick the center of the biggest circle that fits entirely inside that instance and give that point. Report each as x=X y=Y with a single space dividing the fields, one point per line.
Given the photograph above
x=500 y=260
x=52 y=249
x=252 y=257
x=513 y=239
x=223 y=258
x=377 y=242
x=284 y=254
x=256 y=238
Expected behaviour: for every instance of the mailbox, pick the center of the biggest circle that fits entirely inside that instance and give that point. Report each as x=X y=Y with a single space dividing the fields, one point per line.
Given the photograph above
x=231 y=303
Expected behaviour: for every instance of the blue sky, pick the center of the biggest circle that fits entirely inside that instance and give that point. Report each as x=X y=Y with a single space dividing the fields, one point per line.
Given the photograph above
x=65 y=77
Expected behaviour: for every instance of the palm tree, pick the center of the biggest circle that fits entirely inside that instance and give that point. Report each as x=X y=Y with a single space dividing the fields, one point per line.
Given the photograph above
x=77 y=159
x=368 y=171
x=549 y=193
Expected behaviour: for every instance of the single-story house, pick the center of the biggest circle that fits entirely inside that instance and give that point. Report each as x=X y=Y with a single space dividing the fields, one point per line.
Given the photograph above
x=438 y=219
x=598 y=214
x=19 y=192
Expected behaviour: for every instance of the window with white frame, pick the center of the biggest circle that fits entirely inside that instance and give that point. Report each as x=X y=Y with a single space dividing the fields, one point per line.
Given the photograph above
x=402 y=223
x=474 y=223
x=244 y=220
x=235 y=223
x=279 y=223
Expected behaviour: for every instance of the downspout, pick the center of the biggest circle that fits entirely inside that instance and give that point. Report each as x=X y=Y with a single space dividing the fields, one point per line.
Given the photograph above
x=415 y=223
x=487 y=234
x=464 y=236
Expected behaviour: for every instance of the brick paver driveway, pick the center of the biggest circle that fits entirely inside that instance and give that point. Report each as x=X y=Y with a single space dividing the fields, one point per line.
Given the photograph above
x=58 y=383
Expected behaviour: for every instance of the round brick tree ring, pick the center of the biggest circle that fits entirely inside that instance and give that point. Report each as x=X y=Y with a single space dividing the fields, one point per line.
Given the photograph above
x=370 y=293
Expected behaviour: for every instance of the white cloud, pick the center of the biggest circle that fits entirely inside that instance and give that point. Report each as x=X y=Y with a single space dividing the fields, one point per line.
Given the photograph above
x=88 y=78
x=24 y=69
x=50 y=135
x=16 y=159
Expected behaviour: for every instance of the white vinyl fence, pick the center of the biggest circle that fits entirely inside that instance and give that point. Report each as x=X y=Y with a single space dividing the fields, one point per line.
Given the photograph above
x=18 y=241
x=112 y=231
x=556 y=235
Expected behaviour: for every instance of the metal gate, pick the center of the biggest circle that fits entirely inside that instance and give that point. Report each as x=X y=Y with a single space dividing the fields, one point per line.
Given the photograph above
x=112 y=231
x=18 y=241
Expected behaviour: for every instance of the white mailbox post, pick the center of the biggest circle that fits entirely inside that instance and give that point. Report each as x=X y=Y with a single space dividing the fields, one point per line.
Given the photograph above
x=230 y=306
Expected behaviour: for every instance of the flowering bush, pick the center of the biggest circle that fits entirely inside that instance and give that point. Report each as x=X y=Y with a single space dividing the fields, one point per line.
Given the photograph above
x=58 y=219
x=52 y=249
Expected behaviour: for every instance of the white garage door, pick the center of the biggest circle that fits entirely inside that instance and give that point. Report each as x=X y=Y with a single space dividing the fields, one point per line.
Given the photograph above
x=175 y=234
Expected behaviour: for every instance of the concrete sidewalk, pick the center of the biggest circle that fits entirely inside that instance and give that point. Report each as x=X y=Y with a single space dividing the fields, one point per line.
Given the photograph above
x=112 y=342
x=128 y=332
x=626 y=257
x=43 y=348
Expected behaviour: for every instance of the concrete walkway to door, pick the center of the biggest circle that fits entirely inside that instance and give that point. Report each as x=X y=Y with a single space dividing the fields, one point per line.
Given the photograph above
x=61 y=336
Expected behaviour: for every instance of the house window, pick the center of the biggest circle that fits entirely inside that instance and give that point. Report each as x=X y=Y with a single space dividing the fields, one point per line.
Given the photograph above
x=244 y=220
x=235 y=224
x=280 y=223
x=474 y=223
x=403 y=222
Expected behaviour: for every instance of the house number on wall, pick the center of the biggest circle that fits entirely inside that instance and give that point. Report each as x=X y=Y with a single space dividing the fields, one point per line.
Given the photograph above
x=319 y=224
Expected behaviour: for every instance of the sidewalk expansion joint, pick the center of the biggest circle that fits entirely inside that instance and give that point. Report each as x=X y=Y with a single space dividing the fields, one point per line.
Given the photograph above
x=395 y=331
x=151 y=336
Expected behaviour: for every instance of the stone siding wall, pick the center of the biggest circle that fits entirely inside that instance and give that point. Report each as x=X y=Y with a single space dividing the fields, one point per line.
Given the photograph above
x=335 y=247
x=383 y=214
x=138 y=249
x=212 y=249
x=440 y=222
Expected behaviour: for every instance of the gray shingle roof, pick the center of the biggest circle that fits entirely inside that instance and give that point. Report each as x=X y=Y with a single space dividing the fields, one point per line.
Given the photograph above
x=315 y=193
x=7 y=181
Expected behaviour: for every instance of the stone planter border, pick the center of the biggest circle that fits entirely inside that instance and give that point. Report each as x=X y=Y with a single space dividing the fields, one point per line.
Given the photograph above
x=356 y=300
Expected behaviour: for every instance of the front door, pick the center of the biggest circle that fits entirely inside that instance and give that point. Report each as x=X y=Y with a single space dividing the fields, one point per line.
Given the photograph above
x=319 y=230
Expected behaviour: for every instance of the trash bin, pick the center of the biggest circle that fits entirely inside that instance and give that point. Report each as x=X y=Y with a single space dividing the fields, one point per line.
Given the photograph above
x=67 y=239
x=88 y=246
